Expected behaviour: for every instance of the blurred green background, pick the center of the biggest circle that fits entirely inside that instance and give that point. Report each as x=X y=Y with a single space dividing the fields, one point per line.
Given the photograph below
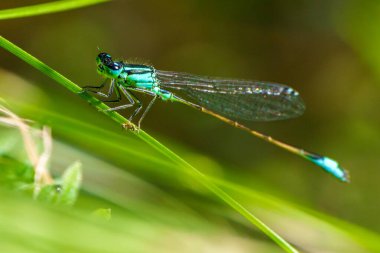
x=328 y=50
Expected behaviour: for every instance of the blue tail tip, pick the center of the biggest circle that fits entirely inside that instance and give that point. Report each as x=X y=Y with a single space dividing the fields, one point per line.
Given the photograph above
x=330 y=166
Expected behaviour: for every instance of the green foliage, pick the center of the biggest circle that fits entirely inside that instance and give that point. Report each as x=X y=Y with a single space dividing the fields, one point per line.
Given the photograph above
x=14 y=174
x=71 y=181
x=144 y=199
x=49 y=194
x=183 y=165
x=24 y=170
x=64 y=191
x=102 y=213
x=159 y=201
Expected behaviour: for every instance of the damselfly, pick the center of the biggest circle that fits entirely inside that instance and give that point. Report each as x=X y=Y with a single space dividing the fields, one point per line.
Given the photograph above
x=227 y=100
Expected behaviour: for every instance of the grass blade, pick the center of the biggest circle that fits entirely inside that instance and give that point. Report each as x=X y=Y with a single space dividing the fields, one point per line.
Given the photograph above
x=186 y=167
x=46 y=8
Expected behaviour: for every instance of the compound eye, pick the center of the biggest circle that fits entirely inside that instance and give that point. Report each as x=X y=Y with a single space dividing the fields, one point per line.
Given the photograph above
x=105 y=58
x=102 y=55
x=115 y=66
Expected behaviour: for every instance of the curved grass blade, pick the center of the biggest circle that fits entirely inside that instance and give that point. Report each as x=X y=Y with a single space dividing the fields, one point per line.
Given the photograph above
x=348 y=234
x=46 y=8
x=186 y=167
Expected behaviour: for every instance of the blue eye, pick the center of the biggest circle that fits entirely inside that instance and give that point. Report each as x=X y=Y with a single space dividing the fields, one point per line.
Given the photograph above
x=114 y=66
x=105 y=58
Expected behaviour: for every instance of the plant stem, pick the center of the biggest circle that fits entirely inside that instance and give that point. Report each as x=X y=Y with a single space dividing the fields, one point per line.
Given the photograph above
x=185 y=166
x=46 y=8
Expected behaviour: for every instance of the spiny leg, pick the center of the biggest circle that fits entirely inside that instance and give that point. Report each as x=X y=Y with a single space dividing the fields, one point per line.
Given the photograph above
x=128 y=96
x=146 y=110
x=109 y=93
x=95 y=87
x=151 y=93
x=132 y=99
x=139 y=103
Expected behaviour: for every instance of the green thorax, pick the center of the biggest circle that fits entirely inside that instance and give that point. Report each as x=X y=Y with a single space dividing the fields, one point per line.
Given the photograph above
x=142 y=77
x=137 y=76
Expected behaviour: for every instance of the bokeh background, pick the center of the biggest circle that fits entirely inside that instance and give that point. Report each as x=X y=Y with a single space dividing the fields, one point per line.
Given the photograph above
x=328 y=50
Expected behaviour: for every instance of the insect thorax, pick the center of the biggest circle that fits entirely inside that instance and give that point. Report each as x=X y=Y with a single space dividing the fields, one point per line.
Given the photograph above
x=142 y=77
x=138 y=76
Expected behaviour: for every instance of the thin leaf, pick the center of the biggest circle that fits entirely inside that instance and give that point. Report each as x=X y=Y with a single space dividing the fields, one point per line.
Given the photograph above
x=46 y=8
x=183 y=165
x=71 y=181
x=49 y=194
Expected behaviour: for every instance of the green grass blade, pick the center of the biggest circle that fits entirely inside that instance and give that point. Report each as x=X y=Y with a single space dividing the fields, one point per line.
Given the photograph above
x=186 y=167
x=274 y=209
x=199 y=176
x=366 y=238
x=46 y=8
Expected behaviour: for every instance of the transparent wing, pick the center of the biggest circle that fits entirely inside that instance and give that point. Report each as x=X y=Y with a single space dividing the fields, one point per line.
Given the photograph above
x=246 y=100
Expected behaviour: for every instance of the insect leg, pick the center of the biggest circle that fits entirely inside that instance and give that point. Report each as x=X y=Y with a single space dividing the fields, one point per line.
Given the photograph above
x=109 y=93
x=95 y=87
x=138 y=102
x=130 y=98
x=146 y=110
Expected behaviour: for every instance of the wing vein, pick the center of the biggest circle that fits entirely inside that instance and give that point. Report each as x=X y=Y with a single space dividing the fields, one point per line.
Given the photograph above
x=236 y=99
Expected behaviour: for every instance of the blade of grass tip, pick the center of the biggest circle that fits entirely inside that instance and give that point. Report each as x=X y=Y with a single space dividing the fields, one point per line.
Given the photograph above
x=190 y=170
x=46 y=8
